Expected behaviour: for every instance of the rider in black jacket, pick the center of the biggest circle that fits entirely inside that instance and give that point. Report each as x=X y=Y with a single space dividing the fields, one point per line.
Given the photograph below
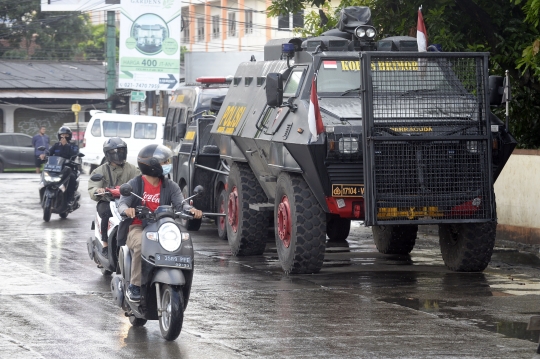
x=66 y=150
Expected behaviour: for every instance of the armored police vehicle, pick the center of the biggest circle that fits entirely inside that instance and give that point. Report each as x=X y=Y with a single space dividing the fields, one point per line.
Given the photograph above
x=339 y=127
x=196 y=160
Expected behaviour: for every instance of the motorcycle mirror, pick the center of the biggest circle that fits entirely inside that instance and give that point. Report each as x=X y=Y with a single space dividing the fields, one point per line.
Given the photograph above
x=96 y=177
x=41 y=148
x=126 y=189
x=80 y=154
x=198 y=190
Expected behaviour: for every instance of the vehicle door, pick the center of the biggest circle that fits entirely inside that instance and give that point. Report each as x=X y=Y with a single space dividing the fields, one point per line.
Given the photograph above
x=9 y=154
x=26 y=150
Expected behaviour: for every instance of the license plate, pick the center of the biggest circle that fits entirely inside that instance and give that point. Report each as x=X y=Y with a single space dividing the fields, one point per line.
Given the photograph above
x=52 y=168
x=173 y=261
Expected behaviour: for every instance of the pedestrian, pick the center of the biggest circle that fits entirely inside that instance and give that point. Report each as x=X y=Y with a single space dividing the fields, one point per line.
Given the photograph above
x=41 y=139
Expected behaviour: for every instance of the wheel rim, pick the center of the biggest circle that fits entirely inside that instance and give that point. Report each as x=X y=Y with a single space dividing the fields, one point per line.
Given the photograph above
x=221 y=220
x=233 y=209
x=284 y=222
x=166 y=314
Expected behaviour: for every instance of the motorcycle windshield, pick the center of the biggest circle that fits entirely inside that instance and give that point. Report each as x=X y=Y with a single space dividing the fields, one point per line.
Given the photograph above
x=54 y=164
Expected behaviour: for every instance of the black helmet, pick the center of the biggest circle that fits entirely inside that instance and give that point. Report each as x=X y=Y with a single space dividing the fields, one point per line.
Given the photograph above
x=150 y=159
x=115 y=150
x=64 y=130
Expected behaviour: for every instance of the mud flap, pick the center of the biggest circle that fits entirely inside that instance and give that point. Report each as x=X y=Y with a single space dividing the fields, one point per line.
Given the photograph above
x=90 y=247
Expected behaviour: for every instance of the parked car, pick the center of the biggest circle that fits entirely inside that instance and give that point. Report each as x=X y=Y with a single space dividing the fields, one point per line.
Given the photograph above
x=16 y=151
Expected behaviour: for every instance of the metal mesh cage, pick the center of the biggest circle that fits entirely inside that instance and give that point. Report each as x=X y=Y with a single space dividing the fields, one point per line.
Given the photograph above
x=427 y=134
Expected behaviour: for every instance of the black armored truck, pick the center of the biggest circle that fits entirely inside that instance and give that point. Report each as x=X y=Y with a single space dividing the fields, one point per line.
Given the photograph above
x=341 y=127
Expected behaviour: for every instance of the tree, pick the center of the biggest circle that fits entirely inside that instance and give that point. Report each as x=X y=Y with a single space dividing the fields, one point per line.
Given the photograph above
x=500 y=27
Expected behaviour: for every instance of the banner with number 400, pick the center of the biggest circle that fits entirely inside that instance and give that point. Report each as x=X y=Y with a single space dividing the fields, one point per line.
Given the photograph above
x=149 y=45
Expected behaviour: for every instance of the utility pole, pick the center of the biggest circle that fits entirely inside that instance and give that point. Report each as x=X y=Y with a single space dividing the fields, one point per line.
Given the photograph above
x=111 y=58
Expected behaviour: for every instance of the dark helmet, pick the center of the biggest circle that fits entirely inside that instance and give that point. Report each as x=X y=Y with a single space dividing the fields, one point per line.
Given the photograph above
x=150 y=159
x=64 y=130
x=115 y=150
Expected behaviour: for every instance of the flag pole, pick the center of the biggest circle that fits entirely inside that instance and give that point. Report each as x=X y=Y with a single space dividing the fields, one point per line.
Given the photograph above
x=507 y=90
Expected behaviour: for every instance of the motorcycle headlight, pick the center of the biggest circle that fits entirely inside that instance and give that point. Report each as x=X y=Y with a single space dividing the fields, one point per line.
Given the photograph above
x=50 y=178
x=348 y=145
x=169 y=237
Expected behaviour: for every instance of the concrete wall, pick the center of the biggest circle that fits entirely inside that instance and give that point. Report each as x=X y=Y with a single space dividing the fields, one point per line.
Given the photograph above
x=518 y=198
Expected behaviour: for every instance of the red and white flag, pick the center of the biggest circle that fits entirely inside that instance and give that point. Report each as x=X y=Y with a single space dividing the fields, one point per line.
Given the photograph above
x=421 y=32
x=314 y=114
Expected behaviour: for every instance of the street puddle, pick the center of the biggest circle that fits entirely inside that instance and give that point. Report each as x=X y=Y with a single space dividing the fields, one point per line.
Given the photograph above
x=465 y=313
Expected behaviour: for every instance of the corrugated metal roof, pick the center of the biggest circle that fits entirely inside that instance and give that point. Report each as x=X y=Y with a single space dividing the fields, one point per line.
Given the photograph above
x=51 y=75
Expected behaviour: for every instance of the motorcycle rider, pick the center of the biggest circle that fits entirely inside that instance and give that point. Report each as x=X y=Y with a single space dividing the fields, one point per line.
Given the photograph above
x=115 y=171
x=154 y=163
x=65 y=149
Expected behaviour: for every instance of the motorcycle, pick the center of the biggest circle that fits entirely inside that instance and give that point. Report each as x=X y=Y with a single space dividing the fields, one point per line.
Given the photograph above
x=106 y=264
x=54 y=183
x=166 y=266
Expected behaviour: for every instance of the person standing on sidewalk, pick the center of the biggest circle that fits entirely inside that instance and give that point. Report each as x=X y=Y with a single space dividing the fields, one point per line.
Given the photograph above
x=41 y=139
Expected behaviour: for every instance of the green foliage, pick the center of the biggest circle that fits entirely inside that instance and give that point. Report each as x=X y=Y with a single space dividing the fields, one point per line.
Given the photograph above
x=183 y=50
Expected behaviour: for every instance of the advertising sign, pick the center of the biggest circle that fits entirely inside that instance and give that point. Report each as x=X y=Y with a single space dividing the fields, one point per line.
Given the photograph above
x=149 y=44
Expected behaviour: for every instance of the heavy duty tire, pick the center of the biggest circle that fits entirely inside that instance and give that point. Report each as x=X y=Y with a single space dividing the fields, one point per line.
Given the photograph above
x=337 y=229
x=246 y=228
x=137 y=322
x=467 y=247
x=221 y=221
x=300 y=225
x=190 y=224
x=63 y=215
x=47 y=210
x=397 y=239
x=170 y=322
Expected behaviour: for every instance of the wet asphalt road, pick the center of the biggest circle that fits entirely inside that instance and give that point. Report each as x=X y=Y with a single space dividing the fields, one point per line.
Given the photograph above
x=56 y=304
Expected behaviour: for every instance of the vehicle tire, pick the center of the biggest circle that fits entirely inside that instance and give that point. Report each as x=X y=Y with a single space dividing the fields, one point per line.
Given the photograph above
x=170 y=322
x=300 y=226
x=337 y=229
x=221 y=221
x=190 y=224
x=1 y=167
x=246 y=228
x=105 y=272
x=47 y=210
x=467 y=247
x=137 y=322
x=397 y=239
x=63 y=215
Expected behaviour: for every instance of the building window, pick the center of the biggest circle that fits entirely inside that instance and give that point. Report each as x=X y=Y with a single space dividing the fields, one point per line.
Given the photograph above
x=185 y=28
x=291 y=21
x=215 y=27
x=200 y=29
x=249 y=22
x=232 y=24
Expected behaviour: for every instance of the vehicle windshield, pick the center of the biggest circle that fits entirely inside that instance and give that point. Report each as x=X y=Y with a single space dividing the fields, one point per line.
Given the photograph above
x=208 y=94
x=401 y=76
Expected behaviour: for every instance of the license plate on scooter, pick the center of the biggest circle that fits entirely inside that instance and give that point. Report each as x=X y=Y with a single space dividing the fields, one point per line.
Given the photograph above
x=173 y=261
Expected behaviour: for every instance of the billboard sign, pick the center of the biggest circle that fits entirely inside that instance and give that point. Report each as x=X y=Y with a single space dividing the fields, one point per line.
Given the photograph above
x=149 y=45
x=79 y=5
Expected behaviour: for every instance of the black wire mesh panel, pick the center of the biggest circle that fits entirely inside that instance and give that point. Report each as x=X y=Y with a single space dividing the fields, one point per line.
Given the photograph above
x=429 y=136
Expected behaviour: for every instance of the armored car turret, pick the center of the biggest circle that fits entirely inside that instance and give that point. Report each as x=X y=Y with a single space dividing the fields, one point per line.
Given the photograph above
x=340 y=127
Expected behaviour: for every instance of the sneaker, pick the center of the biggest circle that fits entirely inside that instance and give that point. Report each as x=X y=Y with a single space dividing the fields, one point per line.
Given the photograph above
x=105 y=251
x=134 y=293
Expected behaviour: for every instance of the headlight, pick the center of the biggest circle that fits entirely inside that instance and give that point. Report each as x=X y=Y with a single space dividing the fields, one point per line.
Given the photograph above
x=348 y=145
x=50 y=178
x=370 y=33
x=360 y=32
x=169 y=237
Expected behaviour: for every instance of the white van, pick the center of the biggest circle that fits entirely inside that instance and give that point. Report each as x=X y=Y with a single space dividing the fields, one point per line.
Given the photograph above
x=136 y=131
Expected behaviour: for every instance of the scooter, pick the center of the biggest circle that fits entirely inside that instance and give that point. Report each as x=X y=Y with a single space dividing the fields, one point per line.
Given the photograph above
x=106 y=264
x=54 y=183
x=166 y=266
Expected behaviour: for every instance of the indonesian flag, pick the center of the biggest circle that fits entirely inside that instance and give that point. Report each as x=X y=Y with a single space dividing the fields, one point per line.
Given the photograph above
x=421 y=33
x=314 y=114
